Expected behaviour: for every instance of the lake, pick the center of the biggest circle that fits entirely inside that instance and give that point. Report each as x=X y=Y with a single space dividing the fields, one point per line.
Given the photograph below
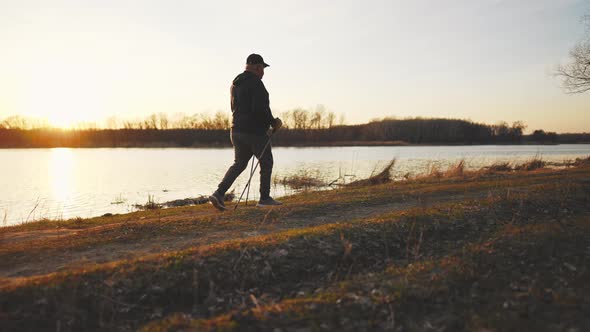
x=66 y=183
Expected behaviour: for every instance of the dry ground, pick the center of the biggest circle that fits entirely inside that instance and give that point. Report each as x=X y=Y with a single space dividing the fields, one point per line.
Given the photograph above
x=480 y=251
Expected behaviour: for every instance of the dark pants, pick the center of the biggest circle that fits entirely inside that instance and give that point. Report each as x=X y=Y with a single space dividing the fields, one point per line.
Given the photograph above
x=246 y=145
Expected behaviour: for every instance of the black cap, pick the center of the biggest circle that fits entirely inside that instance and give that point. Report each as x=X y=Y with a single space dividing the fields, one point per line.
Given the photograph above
x=255 y=59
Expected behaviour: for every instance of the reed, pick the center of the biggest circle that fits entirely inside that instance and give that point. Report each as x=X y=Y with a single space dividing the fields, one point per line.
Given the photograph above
x=580 y=162
x=149 y=205
x=532 y=164
x=457 y=170
x=305 y=179
x=499 y=166
x=119 y=200
x=384 y=176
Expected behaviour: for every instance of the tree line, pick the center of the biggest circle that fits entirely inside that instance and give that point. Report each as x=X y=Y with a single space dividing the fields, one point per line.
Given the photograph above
x=302 y=128
x=298 y=118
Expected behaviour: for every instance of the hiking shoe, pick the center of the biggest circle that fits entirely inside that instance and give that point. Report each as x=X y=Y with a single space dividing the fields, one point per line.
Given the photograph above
x=268 y=202
x=217 y=201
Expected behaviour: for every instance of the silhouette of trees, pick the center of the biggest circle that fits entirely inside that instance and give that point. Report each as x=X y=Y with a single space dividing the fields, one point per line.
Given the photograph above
x=576 y=74
x=161 y=121
x=15 y=122
x=505 y=133
x=573 y=138
x=420 y=131
x=303 y=119
x=541 y=136
x=330 y=119
x=302 y=127
x=300 y=119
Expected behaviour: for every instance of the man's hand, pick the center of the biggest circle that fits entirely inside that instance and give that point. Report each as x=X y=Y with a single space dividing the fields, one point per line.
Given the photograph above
x=278 y=124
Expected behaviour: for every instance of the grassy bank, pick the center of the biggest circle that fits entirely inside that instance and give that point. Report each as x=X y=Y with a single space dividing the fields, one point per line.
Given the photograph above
x=495 y=249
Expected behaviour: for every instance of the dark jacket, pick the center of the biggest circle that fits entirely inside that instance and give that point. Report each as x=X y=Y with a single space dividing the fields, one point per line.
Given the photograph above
x=250 y=105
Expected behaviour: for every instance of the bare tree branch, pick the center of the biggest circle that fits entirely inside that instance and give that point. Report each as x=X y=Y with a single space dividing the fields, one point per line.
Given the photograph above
x=575 y=75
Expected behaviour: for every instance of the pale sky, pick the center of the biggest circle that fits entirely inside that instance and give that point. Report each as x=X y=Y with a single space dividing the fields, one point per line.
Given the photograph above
x=485 y=60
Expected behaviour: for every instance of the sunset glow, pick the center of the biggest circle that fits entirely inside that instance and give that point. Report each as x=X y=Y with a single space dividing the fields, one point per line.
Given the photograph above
x=62 y=94
x=382 y=165
x=86 y=61
x=61 y=168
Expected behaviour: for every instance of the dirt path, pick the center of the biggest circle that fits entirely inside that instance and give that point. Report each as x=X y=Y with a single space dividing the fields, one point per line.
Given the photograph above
x=39 y=252
x=77 y=257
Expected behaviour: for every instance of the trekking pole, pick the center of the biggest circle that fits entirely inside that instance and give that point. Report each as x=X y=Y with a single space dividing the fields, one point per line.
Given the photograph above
x=254 y=170
x=251 y=172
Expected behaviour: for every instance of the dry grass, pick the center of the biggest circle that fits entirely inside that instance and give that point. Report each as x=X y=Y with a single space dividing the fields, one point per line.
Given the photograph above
x=459 y=171
x=532 y=164
x=582 y=162
x=384 y=176
x=151 y=204
x=414 y=267
x=305 y=179
x=455 y=171
x=482 y=287
x=433 y=172
x=500 y=166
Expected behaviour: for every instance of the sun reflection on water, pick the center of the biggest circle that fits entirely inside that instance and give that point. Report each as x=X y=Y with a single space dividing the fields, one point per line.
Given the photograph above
x=61 y=172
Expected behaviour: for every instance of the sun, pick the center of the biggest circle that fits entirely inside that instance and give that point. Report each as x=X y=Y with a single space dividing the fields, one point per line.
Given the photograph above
x=63 y=95
x=63 y=121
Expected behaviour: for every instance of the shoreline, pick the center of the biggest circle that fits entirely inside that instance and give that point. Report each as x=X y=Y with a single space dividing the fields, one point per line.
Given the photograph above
x=304 y=182
x=504 y=168
x=302 y=145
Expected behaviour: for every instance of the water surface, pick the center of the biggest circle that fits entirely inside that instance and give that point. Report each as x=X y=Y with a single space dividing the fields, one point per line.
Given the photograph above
x=67 y=183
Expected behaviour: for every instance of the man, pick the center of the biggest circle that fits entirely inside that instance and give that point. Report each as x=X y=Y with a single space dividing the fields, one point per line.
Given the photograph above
x=251 y=122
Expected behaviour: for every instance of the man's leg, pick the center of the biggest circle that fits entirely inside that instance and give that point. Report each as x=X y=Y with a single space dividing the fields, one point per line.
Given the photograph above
x=266 y=163
x=242 y=154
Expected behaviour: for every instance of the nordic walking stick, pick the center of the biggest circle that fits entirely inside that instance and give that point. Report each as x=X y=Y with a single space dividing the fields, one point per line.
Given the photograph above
x=254 y=170
x=251 y=172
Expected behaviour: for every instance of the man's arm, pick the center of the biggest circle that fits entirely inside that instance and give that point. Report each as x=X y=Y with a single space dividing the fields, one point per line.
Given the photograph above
x=261 y=105
x=231 y=97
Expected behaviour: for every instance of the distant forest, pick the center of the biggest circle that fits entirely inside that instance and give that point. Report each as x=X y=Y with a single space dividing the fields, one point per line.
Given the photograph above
x=301 y=128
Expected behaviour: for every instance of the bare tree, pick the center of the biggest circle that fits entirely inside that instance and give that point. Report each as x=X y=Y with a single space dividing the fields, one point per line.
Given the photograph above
x=127 y=124
x=317 y=116
x=151 y=122
x=186 y=121
x=576 y=73
x=300 y=118
x=221 y=120
x=287 y=118
x=316 y=120
x=163 y=121
x=16 y=122
x=330 y=119
x=518 y=128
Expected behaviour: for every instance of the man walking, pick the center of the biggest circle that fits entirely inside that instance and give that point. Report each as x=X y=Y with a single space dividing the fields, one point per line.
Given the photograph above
x=251 y=122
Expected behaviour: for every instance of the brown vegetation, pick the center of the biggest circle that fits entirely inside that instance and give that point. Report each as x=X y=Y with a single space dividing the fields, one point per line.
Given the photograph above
x=457 y=170
x=502 y=166
x=301 y=127
x=582 y=162
x=304 y=179
x=384 y=176
x=494 y=252
x=531 y=165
